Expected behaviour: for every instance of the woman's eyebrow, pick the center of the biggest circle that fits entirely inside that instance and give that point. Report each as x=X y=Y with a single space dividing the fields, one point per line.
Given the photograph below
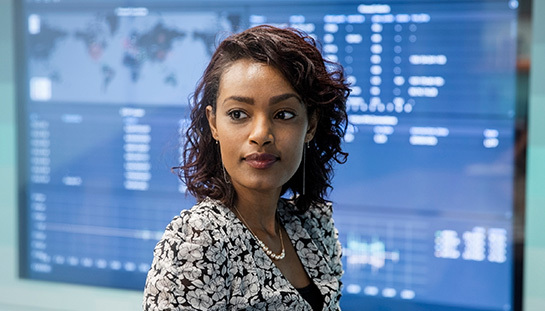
x=242 y=99
x=273 y=100
x=279 y=98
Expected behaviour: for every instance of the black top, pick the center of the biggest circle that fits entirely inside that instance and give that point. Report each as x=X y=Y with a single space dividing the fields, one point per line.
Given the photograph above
x=312 y=295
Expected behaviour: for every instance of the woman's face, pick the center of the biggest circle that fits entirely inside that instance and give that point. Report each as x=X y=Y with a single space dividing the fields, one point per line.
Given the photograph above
x=261 y=125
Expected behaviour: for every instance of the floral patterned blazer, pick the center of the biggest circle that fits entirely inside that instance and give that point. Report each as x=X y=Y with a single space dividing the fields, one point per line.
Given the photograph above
x=208 y=260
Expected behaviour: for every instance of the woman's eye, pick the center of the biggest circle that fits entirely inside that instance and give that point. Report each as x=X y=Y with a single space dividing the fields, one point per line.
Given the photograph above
x=285 y=115
x=237 y=115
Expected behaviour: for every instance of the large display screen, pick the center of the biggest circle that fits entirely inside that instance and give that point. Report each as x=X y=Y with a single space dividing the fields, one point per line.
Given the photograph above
x=424 y=206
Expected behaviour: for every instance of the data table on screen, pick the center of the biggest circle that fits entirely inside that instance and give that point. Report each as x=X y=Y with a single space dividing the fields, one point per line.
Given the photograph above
x=423 y=206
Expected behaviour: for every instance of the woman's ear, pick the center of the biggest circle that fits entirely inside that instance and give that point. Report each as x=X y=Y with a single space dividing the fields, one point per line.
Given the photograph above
x=312 y=126
x=211 y=116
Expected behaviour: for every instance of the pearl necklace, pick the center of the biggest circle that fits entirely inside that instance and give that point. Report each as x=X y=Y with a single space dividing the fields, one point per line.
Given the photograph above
x=265 y=248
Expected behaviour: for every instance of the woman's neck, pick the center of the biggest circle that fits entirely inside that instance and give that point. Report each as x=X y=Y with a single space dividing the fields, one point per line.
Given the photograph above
x=259 y=209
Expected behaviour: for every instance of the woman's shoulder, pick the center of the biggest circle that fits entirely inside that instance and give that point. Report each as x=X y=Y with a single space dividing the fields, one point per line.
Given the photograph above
x=317 y=219
x=322 y=211
x=205 y=216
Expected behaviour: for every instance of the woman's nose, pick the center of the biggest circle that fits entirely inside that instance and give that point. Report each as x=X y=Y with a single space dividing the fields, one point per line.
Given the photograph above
x=261 y=133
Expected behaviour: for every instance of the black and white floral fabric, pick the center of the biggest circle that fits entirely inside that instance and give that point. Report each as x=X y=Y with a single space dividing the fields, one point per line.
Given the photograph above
x=208 y=260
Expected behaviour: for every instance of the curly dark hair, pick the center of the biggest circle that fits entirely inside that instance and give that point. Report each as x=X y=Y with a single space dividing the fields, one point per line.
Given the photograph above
x=322 y=88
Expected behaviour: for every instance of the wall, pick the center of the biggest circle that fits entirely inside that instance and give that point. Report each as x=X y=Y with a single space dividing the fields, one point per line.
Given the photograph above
x=17 y=294
x=534 y=277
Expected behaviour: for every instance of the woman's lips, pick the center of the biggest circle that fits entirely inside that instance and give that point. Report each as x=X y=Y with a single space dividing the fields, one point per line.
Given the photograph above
x=260 y=160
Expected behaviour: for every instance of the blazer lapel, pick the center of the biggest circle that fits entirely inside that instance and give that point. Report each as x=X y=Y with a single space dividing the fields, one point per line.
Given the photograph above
x=309 y=250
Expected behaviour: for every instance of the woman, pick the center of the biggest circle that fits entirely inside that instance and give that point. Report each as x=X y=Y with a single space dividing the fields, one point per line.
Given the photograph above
x=267 y=120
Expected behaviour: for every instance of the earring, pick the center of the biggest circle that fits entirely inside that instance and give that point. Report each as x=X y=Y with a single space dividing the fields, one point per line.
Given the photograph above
x=225 y=178
x=305 y=147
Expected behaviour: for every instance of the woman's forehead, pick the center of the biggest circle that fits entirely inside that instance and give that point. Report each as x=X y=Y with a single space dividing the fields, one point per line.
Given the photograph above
x=250 y=77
